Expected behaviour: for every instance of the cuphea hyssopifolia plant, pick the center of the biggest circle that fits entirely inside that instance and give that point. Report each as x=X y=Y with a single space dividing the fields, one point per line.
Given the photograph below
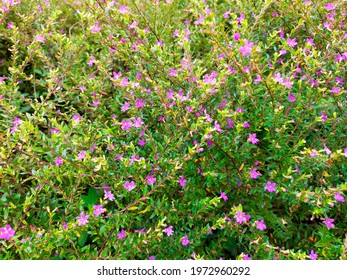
x=207 y=131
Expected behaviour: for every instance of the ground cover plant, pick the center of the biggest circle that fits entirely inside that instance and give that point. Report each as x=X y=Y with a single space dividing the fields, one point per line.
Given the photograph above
x=173 y=129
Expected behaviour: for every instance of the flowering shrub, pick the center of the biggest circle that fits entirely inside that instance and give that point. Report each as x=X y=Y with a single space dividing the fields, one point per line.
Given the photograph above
x=173 y=129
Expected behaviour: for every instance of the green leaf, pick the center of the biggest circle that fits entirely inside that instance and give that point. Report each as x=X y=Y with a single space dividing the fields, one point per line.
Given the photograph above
x=83 y=238
x=91 y=198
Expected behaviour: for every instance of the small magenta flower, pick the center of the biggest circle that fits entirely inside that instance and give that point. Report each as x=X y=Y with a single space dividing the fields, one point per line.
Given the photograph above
x=138 y=122
x=246 y=258
x=223 y=196
x=185 y=241
x=58 y=161
x=95 y=28
x=329 y=7
x=81 y=155
x=40 y=38
x=126 y=124
x=98 y=210
x=151 y=180
x=6 y=232
x=241 y=217
x=313 y=255
x=254 y=174
x=246 y=49
x=151 y=258
x=291 y=42
x=82 y=219
x=236 y=36
x=345 y=152
x=260 y=225
x=329 y=222
x=253 y=138
x=108 y=195
x=169 y=230
x=328 y=152
x=338 y=197
x=291 y=97
x=270 y=186
x=122 y=234
x=129 y=186
x=182 y=181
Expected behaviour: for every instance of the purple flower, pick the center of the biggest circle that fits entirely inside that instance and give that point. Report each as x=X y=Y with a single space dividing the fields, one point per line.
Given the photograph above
x=138 y=122
x=108 y=195
x=345 y=152
x=291 y=97
x=6 y=232
x=260 y=225
x=324 y=117
x=291 y=42
x=151 y=180
x=254 y=174
x=58 y=161
x=129 y=185
x=152 y=258
x=40 y=38
x=328 y=152
x=125 y=106
x=83 y=219
x=241 y=217
x=182 y=181
x=246 y=257
x=126 y=124
x=245 y=124
x=338 y=197
x=253 y=138
x=313 y=255
x=246 y=48
x=141 y=142
x=81 y=155
x=335 y=90
x=270 y=186
x=236 y=36
x=329 y=7
x=223 y=196
x=169 y=230
x=185 y=241
x=329 y=222
x=95 y=28
x=122 y=234
x=98 y=210
x=139 y=103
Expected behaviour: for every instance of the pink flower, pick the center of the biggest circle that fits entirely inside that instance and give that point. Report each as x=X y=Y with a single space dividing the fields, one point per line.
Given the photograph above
x=141 y=142
x=82 y=219
x=139 y=103
x=122 y=234
x=246 y=257
x=58 y=161
x=98 y=210
x=324 y=117
x=40 y=38
x=253 y=138
x=182 y=181
x=245 y=124
x=260 y=225
x=254 y=174
x=185 y=241
x=126 y=124
x=329 y=222
x=151 y=180
x=108 y=195
x=270 y=186
x=338 y=197
x=335 y=90
x=246 y=48
x=151 y=258
x=81 y=155
x=6 y=232
x=123 y=9
x=241 y=217
x=95 y=28
x=236 y=36
x=129 y=186
x=313 y=255
x=345 y=152
x=291 y=97
x=223 y=196
x=329 y=7
x=169 y=230
x=291 y=42
x=138 y=122
x=326 y=149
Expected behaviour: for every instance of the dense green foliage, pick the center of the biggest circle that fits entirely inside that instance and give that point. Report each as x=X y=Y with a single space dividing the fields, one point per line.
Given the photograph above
x=173 y=129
